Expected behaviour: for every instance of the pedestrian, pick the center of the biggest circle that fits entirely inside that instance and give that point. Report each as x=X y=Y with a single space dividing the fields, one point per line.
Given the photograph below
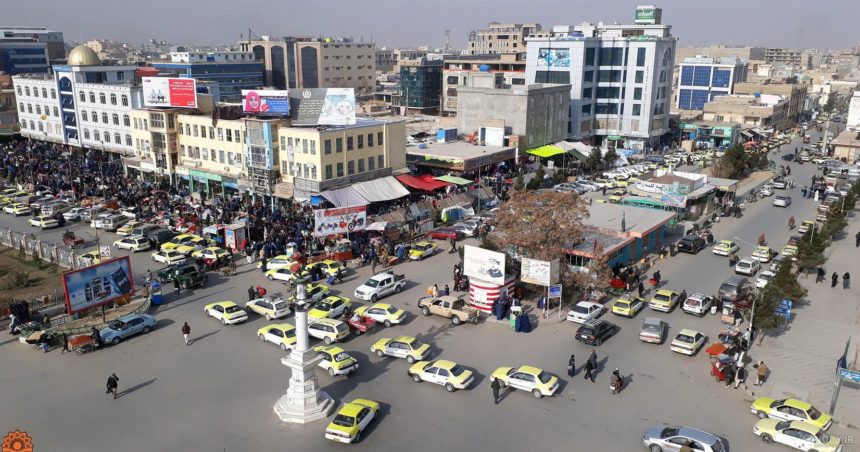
x=65 y=344
x=447 y=290
x=186 y=331
x=589 y=369
x=112 y=384
x=846 y=281
x=603 y=190
x=740 y=377
x=834 y=279
x=857 y=240
x=616 y=381
x=373 y=265
x=761 y=375
x=820 y=275
x=495 y=386
x=176 y=289
x=435 y=291
x=96 y=335
x=571 y=366
x=640 y=288
x=592 y=358
x=252 y=293
x=730 y=374
x=148 y=276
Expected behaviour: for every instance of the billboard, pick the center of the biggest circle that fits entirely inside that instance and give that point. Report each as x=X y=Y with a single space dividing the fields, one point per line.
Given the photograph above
x=484 y=265
x=169 y=92
x=323 y=106
x=542 y=273
x=266 y=101
x=648 y=15
x=99 y=284
x=342 y=220
x=548 y=58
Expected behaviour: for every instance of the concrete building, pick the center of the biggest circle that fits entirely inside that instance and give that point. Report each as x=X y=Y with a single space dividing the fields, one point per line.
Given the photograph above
x=8 y=109
x=314 y=159
x=420 y=85
x=23 y=53
x=293 y=62
x=400 y=55
x=853 y=120
x=620 y=77
x=469 y=70
x=538 y=114
x=500 y=38
x=82 y=103
x=232 y=77
x=154 y=133
x=782 y=56
x=109 y=50
x=765 y=111
x=53 y=40
x=211 y=153
x=710 y=134
x=793 y=93
x=208 y=56
x=703 y=78
x=847 y=146
x=745 y=53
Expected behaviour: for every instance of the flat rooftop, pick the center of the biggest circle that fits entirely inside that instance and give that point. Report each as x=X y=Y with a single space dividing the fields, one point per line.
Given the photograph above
x=460 y=150
x=637 y=220
x=847 y=138
x=670 y=179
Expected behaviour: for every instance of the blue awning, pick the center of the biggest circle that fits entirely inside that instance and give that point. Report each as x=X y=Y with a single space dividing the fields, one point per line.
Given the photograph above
x=316 y=200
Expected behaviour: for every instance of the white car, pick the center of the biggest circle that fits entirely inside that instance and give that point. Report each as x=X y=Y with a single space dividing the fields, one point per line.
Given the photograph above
x=725 y=247
x=227 y=312
x=74 y=214
x=585 y=311
x=764 y=278
x=44 y=222
x=133 y=243
x=697 y=304
x=766 y=190
x=687 y=342
x=466 y=227
x=747 y=267
x=269 y=308
x=782 y=201
x=168 y=257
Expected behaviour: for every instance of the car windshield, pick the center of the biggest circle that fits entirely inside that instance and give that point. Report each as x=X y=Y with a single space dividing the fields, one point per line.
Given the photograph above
x=290 y=333
x=684 y=338
x=343 y=421
x=324 y=306
x=813 y=413
x=115 y=325
x=623 y=303
x=232 y=309
x=661 y=297
x=456 y=370
x=391 y=310
x=669 y=431
x=371 y=283
x=650 y=328
x=823 y=437
x=766 y=276
x=342 y=356
x=544 y=377
x=580 y=309
x=780 y=426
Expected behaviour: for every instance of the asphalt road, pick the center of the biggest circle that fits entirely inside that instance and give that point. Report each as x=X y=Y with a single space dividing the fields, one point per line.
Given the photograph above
x=218 y=393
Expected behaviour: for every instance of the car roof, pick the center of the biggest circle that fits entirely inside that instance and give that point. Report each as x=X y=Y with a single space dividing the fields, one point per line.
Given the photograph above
x=351 y=409
x=281 y=326
x=664 y=292
x=333 y=349
x=444 y=363
x=805 y=426
x=727 y=242
x=381 y=305
x=697 y=435
x=224 y=303
x=798 y=404
x=327 y=321
x=530 y=370
x=688 y=332
x=588 y=304
x=653 y=321
x=407 y=339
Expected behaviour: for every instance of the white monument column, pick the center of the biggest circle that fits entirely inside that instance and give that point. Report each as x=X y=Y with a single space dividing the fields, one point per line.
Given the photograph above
x=304 y=402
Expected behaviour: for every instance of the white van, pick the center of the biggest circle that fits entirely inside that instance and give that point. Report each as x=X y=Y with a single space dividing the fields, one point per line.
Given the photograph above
x=56 y=207
x=89 y=214
x=113 y=221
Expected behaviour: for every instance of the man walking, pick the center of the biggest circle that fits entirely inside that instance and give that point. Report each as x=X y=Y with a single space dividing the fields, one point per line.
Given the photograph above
x=186 y=331
x=740 y=377
x=819 y=276
x=589 y=369
x=495 y=386
x=65 y=344
x=112 y=384
x=571 y=366
x=857 y=240
x=251 y=293
x=176 y=289
x=762 y=373
x=834 y=279
x=846 y=281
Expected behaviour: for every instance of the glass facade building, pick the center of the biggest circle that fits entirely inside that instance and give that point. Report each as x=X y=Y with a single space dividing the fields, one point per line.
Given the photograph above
x=232 y=78
x=701 y=79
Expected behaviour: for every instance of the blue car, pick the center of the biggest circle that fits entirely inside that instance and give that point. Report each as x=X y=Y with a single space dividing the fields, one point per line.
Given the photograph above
x=127 y=326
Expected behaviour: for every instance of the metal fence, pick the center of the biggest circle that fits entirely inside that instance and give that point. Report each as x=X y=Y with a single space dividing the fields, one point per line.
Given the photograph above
x=59 y=254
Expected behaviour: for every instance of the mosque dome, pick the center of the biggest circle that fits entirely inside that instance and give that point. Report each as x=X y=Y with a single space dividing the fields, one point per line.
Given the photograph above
x=83 y=56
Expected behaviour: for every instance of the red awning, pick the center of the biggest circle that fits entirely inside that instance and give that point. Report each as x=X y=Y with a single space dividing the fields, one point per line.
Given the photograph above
x=426 y=182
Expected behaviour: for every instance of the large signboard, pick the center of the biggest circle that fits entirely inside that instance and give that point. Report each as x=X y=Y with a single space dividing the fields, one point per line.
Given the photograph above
x=169 y=92
x=548 y=58
x=266 y=102
x=342 y=220
x=542 y=273
x=99 y=284
x=484 y=265
x=648 y=15
x=323 y=106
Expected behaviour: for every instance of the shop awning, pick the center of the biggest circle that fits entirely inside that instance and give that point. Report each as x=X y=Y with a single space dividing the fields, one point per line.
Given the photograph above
x=455 y=180
x=746 y=134
x=343 y=197
x=376 y=226
x=426 y=182
x=382 y=189
x=546 y=151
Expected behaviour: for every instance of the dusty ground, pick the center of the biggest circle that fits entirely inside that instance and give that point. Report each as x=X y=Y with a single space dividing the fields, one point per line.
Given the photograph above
x=44 y=281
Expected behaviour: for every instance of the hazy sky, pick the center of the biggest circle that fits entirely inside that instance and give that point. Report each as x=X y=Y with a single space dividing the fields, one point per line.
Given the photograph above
x=774 y=23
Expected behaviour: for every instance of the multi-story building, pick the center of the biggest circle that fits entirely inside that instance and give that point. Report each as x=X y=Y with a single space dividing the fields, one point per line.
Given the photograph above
x=232 y=76
x=211 y=153
x=82 y=103
x=620 y=77
x=765 y=110
x=315 y=159
x=420 y=85
x=154 y=131
x=500 y=38
x=461 y=70
x=702 y=78
x=852 y=122
x=802 y=59
x=53 y=40
x=293 y=62
x=746 y=54
x=8 y=109
x=109 y=50
x=793 y=93
x=384 y=60
x=22 y=54
x=207 y=56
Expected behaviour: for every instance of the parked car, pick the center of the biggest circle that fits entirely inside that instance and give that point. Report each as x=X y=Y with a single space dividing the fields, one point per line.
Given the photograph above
x=764 y=278
x=351 y=420
x=781 y=201
x=442 y=372
x=697 y=304
x=527 y=378
x=160 y=236
x=725 y=247
x=663 y=300
x=228 y=312
x=445 y=233
x=797 y=435
x=688 y=342
x=133 y=243
x=627 y=306
x=747 y=266
x=735 y=289
x=168 y=257
x=74 y=214
x=653 y=330
x=127 y=326
x=691 y=243
x=269 y=308
x=584 y=311
x=790 y=410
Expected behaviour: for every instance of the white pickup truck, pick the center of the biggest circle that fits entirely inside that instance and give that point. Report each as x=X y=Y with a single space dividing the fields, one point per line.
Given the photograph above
x=380 y=285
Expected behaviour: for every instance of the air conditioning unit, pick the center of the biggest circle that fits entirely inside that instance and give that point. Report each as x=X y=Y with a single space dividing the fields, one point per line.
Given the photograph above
x=198 y=164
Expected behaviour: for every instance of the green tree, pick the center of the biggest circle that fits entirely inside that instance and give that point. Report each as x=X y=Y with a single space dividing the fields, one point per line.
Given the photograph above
x=831 y=102
x=783 y=286
x=810 y=251
x=733 y=163
x=537 y=181
x=519 y=185
x=610 y=158
x=835 y=221
x=594 y=160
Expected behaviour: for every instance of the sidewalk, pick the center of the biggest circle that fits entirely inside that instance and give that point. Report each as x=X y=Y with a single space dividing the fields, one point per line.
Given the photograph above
x=802 y=359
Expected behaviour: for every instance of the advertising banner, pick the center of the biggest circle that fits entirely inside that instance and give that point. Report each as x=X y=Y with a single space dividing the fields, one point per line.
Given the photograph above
x=266 y=102
x=542 y=273
x=98 y=284
x=169 y=92
x=553 y=58
x=342 y=220
x=323 y=106
x=484 y=265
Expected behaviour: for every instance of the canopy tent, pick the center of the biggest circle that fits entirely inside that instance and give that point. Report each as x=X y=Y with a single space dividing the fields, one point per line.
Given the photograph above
x=376 y=226
x=343 y=197
x=382 y=189
x=577 y=149
x=454 y=180
x=546 y=151
x=426 y=182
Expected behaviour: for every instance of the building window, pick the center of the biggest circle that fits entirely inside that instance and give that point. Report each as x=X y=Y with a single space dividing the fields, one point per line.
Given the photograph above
x=588 y=76
x=637 y=93
x=328 y=173
x=350 y=167
x=128 y=140
x=562 y=77
x=370 y=140
x=188 y=129
x=102 y=98
x=340 y=170
x=117 y=138
x=313 y=172
x=589 y=56
x=640 y=57
x=229 y=135
x=221 y=135
x=640 y=76
x=124 y=100
x=56 y=112
x=95 y=117
x=637 y=109
x=587 y=93
x=196 y=131
x=304 y=146
x=212 y=154
x=27 y=92
x=361 y=165
x=92 y=97
x=721 y=78
x=44 y=93
x=19 y=93
x=349 y=144
x=104 y=118
x=115 y=119
x=81 y=96
x=338 y=145
x=327 y=147
x=371 y=164
x=361 y=141
x=38 y=109
x=380 y=161
x=30 y=108
x=87 y=134
x=96 y=135
x=313 y=147
x=702 y=76
x=220 y=156
x=113 y=99
x=606 y=109
x=126 y=121
x=107 y=137
x=211 y=133
x=586 y=109
x=379 y=138
x=609 y=76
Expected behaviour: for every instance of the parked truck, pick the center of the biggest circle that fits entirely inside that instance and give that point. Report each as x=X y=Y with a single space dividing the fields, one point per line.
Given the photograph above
x=380 y=285
x=453 y=308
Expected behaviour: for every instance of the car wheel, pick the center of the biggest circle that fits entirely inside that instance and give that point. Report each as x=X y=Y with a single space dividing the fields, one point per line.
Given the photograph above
x=655 y=448
x=331 y=372
x=766 y=438
x=146 y=330
x=283 y=346
x=262 y=338
x=208 y=314
x=327 y=340
x=380 y=354
x=223 y=321
x=115 y=340
x=271 y=278
x=387 y=323
x=410 y=360
x=416 y=378
x=357 y=437
x=598 y=341
x=373 y=298
x=761 y=415
x=537 y=394
x=455 y=320
x=397 y=289
x=425 y=311
x=268 y=317
x=449 y=387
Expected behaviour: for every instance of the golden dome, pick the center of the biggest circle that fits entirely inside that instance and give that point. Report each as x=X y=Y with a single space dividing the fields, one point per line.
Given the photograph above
x=83 y=56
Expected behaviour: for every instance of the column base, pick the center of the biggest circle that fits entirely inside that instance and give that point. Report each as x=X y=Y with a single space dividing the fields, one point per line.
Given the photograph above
x=303 y=414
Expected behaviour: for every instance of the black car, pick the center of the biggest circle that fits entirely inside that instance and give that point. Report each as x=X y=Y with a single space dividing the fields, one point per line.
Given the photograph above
x=159 y=236
x=595 y=332
x=788 y=157
x=691 y=244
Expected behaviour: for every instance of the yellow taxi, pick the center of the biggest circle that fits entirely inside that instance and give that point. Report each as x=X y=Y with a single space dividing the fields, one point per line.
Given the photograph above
x=17 y=209
x=383 y=313
x=330 y=307
x=627 y=306
x=621 y=183
x=287 y=275
x=94 y=256
x=805 y=226
x=790 y=410
x=401 y=347
x=351 y=420
x=335 y=360
x=527 y=378
x=763 y=254
x=442 y=372
x=421 y=250
x=790 y=251
x=328 y=266
x=127 y=228
x=213 y=252
x=281 y=334
x=191 y=245
x=228 y=312
x=797 y=435
x=328 y=330
x=276 y=262
x=663 y=300
x=176 y=241
x=5 y=201
x=44 y=222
